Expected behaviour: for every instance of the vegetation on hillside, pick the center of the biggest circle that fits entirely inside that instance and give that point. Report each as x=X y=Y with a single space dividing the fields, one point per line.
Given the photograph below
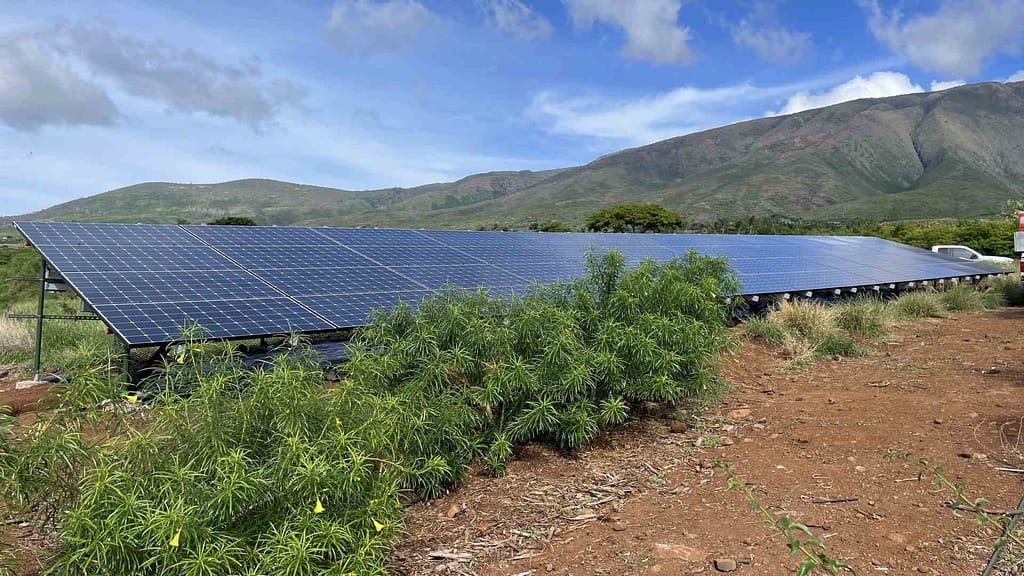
x=634 y=218
x=233 y=221
x=231 y=470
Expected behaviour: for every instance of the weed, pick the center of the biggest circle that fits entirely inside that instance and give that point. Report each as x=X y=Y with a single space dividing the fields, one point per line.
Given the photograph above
x=836 y=344
x=760 y=327
x=962 y=298
x=1007 y=289
x=922 y=304
x=807 y=320
x=799 y=538
x=960 y=500
x=867 y=316
x=15 y=338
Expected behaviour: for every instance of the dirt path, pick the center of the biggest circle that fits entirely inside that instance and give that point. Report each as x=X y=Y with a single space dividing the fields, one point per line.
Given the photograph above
x=645 y=500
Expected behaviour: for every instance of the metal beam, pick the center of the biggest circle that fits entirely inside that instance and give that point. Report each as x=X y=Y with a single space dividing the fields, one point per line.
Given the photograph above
x=37 y=359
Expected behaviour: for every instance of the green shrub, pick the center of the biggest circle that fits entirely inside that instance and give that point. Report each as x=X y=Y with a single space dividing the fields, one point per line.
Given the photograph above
x=912 y=305
x=867 y=316
x=231 y=471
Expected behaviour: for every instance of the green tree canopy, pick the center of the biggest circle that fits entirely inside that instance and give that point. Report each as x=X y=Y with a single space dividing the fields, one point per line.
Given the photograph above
x=635 y=218
x=234 y=221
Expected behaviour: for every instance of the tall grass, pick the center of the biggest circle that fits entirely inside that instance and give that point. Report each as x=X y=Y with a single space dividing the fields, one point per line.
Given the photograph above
x=230 y=471
x=921 y=304
x=867 y=316
x=807 y=330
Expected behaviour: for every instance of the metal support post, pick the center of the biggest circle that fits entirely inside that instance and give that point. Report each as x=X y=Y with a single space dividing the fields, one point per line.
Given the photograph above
x=37 y=359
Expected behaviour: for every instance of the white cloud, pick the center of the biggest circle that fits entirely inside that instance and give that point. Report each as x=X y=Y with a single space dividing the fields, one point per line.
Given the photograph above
x=517 y=19
x=646 y=119
x=183 y=80
x=956 y=38
x=63 y=75
x=761 y=32
x=877 y=85
x=38 y=88
x=652 y=31
x=1017 y=76
x=938 y=85
x=368 y=26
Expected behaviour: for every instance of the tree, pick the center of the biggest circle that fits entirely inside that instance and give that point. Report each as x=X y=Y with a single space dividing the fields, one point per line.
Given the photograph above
x=234 y=221
x=635 y=218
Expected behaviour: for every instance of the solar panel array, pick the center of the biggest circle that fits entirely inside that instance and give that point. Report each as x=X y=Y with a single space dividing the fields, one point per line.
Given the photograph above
x=148 y=282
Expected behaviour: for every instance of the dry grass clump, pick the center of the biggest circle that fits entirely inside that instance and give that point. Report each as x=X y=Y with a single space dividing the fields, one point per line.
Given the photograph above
x=15 y=338
x=805 y=330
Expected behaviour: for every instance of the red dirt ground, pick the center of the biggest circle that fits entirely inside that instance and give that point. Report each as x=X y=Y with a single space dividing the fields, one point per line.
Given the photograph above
x=645 y=500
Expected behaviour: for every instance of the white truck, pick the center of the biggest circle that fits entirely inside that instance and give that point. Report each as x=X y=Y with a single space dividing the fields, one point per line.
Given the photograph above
x=965 y=253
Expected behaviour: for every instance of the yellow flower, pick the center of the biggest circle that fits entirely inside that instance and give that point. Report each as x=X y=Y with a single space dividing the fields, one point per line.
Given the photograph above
x=131 y=398
x=319 y=508
x=175 y=539
x=378 y=526
x=337 y=422
x=181 y=359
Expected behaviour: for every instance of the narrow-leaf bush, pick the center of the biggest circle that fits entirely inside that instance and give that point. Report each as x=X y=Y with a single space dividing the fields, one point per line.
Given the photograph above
x=227 y=470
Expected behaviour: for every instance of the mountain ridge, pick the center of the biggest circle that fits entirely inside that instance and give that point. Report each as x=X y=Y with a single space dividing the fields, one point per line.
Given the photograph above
x=953 y=153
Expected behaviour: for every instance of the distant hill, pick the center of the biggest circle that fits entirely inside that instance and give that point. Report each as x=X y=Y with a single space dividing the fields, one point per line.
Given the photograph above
x=955 y=153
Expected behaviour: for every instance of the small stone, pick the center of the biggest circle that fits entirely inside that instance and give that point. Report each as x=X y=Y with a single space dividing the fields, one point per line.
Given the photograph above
x=758 y=426
x=860 y=469
x=727 y=441
x=937 y=421
x=979 y=456
x=923 y=569
x=663 y=552
x=454 y=510
x=739 y=414
x=677 y=427
x=725 y=564
x=619 y=526
x=5 y=373
x=871 y=502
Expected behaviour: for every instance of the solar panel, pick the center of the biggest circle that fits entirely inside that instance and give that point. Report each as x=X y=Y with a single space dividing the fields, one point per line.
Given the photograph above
x=151 y=282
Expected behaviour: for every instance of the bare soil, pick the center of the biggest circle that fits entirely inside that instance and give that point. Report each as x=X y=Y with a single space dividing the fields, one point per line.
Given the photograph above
x=647 y=500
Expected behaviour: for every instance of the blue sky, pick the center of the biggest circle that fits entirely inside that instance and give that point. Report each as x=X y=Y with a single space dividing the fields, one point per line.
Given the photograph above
x=363 y=94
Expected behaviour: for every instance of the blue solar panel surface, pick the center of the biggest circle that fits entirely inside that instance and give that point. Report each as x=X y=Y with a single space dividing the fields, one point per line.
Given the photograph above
x=149 y=282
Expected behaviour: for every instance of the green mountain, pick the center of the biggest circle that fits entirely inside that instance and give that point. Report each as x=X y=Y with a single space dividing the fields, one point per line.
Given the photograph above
x=955 y=153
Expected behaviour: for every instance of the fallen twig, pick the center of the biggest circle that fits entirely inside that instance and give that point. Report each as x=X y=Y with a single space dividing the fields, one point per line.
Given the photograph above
x=834 y=500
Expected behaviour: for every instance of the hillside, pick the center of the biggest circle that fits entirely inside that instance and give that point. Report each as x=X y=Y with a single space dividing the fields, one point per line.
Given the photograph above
x=955 y=153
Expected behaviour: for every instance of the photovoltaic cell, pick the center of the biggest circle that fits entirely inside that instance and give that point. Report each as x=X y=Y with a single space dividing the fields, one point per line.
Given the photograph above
x=134 y=258
x=288 y=257
x=70 y=234
x=354 y=310
x=157 y=287
x=311 y=281
x=153 y=323
x=148 y=282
